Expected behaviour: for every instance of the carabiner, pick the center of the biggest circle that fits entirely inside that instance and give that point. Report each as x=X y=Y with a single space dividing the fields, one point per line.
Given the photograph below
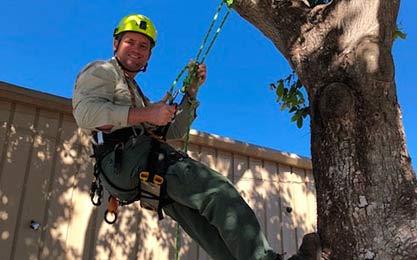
x=96 y=194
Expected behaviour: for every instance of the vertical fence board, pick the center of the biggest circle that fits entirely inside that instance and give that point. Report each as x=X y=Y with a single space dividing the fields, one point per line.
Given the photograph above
x=154 y=243
x=82 y=208
x=287 y=221
x=208 y=156
x=13 y=174
x=105 y=233
x=5 y=113
x=167 y=241
x=194 y=151
x=6 y=110
x=60 y=195
x=311 y=202
x=240 y=165
x=258 y=190
x=298 y=189
x=224 y=164
x=36 y=193
x=273 y=211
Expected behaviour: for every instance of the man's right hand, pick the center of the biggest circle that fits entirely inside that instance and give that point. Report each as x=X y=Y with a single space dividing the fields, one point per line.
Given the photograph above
x=158 y=113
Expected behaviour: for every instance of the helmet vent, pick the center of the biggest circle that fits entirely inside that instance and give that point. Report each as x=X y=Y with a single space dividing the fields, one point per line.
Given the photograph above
x=142 y=25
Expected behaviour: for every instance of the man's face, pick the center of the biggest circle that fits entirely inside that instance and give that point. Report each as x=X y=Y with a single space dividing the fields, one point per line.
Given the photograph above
x=134 y=50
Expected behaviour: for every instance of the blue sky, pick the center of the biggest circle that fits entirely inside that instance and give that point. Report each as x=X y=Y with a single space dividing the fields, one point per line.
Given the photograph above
x=44 y=44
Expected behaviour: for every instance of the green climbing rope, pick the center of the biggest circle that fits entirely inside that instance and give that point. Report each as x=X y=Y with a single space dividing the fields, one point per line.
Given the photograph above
x=229 y=4
x=191 y=77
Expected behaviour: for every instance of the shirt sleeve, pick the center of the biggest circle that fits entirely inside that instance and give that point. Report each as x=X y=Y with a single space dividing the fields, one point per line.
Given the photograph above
x=93 y=98
x=186 y=114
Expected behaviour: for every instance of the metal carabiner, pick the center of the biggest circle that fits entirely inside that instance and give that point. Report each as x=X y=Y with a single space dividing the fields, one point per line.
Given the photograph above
x=96 y=193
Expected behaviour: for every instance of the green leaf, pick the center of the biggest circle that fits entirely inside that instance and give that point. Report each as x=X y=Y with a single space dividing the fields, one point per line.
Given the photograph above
x=295 y=117
x=294 y=99
x=300 y=122
x=290 y=97
x=399 y=33
x=280 y=89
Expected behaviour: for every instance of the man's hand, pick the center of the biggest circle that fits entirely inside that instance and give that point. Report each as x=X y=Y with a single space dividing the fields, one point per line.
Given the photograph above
x=201 y=75
x=158 y=113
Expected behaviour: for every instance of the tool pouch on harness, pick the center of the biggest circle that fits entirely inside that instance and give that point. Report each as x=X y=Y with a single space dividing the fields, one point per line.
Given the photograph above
x=120 y=164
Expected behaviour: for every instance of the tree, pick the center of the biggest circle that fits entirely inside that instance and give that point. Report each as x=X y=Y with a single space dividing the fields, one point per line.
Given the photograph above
x=366 y=186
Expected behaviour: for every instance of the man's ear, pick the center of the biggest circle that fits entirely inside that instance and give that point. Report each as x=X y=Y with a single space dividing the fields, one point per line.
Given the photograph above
x=115 y=44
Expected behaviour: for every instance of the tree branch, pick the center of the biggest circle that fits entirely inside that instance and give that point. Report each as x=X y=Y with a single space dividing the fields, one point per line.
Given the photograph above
x=278 y=20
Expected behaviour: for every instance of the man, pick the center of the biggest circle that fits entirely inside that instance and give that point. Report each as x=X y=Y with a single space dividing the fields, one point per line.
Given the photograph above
x=107 y=101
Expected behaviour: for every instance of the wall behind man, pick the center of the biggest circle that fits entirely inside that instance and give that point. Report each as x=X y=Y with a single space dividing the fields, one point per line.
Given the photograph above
x=46 y=172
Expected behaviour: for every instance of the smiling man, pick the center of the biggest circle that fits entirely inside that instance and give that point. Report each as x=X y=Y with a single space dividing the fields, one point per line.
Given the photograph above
x=134 y=163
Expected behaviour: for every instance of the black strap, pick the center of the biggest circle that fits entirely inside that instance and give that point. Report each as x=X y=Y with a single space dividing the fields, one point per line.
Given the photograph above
x=121 y=135
x=118 y=157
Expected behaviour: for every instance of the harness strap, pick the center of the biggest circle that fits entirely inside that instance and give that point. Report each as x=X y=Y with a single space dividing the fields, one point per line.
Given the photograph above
x=153 y=182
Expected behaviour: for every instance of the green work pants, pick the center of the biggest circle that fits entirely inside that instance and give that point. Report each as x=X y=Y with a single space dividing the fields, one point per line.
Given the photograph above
x=209 y=208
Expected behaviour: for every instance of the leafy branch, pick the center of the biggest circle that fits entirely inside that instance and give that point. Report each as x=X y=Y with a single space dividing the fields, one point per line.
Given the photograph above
x=290 y=97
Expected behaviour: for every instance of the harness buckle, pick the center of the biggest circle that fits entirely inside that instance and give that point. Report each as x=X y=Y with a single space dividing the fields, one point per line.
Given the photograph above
x=144 y=176
x=158 y=180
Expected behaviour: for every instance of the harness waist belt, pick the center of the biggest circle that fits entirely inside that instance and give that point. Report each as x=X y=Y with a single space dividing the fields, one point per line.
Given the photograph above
x=121 y=135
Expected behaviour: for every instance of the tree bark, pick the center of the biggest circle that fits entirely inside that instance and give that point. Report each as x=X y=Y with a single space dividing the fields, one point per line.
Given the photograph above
x=366 y=187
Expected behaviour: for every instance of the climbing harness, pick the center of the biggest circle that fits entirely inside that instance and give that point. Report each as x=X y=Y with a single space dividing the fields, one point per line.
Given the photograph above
x=131 y=167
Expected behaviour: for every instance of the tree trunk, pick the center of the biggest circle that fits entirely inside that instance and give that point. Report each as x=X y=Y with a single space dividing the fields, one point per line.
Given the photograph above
x=366 y=187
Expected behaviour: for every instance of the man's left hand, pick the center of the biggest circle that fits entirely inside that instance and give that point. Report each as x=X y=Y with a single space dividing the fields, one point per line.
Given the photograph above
x=199 y=80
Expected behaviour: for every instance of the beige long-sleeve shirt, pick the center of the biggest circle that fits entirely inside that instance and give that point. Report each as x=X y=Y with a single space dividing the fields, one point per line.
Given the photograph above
x=102 y=97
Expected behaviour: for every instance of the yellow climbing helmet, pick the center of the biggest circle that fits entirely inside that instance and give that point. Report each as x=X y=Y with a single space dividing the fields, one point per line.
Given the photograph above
x=137 y=23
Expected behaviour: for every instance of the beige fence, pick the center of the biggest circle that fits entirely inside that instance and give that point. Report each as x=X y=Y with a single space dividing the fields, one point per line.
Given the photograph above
x=46 y=172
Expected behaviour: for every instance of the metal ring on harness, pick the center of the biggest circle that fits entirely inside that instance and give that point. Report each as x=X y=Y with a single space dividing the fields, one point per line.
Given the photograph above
x=106 y=213
x=112 y=208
